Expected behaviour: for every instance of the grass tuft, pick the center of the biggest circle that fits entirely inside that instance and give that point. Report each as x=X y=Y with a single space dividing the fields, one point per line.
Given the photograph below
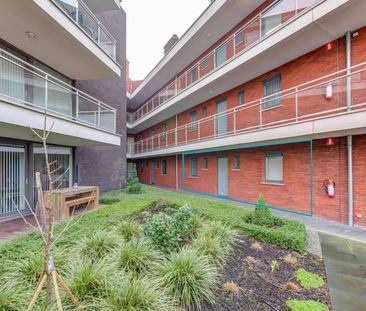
x=231 y=288
x=189 y=277
x=129 y=229
x=127 y=293
x=257 y=247
x=138 y=256
x=97 y=245
x=290 y=259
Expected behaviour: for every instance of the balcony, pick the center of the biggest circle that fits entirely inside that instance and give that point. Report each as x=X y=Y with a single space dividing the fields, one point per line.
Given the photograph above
x=259 y=27
x=67 y=38
x=82 y=16
x=34 y=93
x=331 y=105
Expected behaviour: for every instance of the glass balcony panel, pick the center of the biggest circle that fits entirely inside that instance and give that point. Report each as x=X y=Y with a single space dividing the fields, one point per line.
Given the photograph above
x=207 y=65
x=304 y=4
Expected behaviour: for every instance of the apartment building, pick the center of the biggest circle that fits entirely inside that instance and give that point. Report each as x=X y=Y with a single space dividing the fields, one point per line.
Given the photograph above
x=64 y=59
x=261 y=97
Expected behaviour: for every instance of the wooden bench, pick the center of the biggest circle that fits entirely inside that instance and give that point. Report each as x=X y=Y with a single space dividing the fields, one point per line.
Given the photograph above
x=62 y=200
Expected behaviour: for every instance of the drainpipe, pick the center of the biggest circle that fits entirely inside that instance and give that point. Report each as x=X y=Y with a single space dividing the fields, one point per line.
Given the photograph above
x=349 y=137
x=176 y=173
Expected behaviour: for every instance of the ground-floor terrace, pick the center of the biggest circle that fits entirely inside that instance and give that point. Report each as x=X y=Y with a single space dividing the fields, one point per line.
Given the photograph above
x=292 y=175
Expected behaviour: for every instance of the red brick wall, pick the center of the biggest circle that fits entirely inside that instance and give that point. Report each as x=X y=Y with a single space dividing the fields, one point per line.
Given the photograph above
x=247 y=183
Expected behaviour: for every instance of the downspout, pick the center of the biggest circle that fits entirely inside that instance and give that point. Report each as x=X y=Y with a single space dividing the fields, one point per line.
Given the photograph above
x=176 y=173
x=349 y=137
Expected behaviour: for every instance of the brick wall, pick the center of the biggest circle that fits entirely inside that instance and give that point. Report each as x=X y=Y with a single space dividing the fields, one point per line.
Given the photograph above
x=106 y=166
x=248 y=182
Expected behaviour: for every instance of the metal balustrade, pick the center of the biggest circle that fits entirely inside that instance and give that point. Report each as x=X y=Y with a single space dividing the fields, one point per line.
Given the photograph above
x=79 y=13
x=26 y=85
x=273 y=17
x=319 y=98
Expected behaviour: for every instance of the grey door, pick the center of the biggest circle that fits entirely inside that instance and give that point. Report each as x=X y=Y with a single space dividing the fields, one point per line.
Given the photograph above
x=222 y=176
x=152 y=175
x=221 y=55
x=221 y=121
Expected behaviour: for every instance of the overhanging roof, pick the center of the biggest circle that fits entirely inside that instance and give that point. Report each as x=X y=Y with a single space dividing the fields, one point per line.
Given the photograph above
x=218 y=19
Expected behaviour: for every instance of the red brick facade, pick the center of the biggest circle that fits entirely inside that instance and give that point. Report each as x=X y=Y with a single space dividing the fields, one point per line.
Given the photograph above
x=248 y=182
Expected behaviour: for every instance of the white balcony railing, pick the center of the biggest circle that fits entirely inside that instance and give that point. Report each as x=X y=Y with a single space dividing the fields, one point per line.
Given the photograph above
x=24 y=84
x=273 y=17
x=79 y=13
x=323 y=97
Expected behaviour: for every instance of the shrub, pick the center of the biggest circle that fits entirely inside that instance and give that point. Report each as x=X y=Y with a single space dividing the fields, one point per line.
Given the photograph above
x=129 y=229
x=137 y=256
x=262 y=215
x=167 y=231
x=134 y=188
x=164 y=206
x=189 y=277
x=303 y=305
x=289 y=235
x=308 y=279
x=97 y=245
x=143 y=294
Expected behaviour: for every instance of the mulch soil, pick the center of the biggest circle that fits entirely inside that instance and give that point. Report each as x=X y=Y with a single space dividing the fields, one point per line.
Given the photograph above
x=261 y=289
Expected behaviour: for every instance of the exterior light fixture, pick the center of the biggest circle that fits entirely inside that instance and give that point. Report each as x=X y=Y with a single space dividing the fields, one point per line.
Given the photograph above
x=31 y=35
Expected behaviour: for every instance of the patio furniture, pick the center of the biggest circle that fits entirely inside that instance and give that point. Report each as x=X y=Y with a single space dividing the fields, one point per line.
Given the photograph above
x=62 y=200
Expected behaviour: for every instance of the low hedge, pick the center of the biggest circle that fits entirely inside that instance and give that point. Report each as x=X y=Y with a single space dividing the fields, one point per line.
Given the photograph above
x=288 y=234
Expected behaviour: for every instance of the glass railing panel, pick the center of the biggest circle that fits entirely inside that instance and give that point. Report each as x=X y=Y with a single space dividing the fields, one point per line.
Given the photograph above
x=60 y=99
x=358 y=82
x=107 y=119
x=88 y=111
x=88 y=22
x=207 y=65
x=247 y=117
x=304 y=4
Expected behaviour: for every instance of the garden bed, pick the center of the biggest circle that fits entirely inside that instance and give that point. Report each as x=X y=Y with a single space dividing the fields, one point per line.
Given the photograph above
x=258 y=287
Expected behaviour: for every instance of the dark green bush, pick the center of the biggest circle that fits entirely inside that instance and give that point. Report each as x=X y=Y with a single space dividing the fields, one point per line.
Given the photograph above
x=134 y=188
x=288 y=234
x=262 y=215
x=167 y=231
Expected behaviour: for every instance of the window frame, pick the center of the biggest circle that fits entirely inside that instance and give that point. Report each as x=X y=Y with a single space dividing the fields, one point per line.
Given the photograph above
x=237 y=164
x=265 y=105
x=205 y=164
x=194 y=174
x=241 y=98
x=193 y=127
x=164 y=168
x=204 y=63
x=240 y=35
x=204 y=112
x=272 y=154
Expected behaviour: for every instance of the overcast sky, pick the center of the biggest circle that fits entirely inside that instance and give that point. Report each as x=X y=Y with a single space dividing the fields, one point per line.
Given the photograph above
x=150 y=24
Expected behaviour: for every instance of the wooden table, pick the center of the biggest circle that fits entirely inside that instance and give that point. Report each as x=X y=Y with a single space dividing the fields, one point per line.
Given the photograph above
x=62 y=200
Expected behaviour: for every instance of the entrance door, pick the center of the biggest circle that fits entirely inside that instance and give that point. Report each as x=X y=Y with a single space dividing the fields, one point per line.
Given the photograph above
x=152 y=175
x=222 y=176
x=12 y=180
x=221 y=121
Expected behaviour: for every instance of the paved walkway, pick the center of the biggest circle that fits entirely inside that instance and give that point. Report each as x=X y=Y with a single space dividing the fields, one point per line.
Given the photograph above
x=345 y=264
x=13 y=228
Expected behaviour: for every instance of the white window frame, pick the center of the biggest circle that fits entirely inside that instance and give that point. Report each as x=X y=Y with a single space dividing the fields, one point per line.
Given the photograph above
x=268 y=157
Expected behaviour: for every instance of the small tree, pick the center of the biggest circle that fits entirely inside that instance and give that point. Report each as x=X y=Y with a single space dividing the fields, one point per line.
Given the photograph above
x=262 y=215
x=133 y=182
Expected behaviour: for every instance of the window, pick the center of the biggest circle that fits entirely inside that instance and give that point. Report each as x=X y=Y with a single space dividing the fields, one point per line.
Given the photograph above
x=193 y=167
x=193 y=119
x=221 y=55
x=241 y=98
x=237 y=162
x=239 y=38
x=272 y=86
x=192 y=75
x=165 y=135
x=204 y=112
x=152 y=133
x=164 y=167
x=205 y=163
x=204 y=63
x=141 y=166
x=274 y=167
